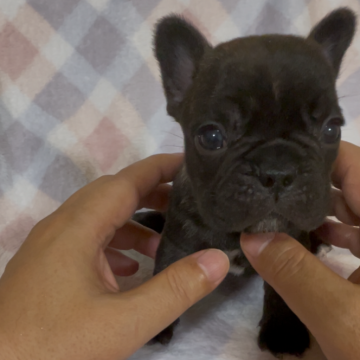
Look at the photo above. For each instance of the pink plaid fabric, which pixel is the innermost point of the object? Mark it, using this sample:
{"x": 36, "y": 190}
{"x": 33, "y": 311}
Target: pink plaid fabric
{"x": 80, "y": 96}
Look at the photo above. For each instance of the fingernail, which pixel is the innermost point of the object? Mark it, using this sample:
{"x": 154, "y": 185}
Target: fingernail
{"x": 254, "y": 244}
{"x": 215, "y": 264}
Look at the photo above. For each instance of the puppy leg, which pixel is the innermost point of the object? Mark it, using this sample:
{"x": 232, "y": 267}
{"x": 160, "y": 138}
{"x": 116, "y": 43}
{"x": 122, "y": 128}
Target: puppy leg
{"x": 166, "y": 335}
{"x": 154, "y": 220}
{"x": 167, "y": 254}
{"x": 281, "y": 331}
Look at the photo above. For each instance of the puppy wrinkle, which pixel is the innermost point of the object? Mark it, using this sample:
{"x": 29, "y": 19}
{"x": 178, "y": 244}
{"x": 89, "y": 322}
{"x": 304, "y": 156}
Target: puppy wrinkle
{"x": 307, "y": 142}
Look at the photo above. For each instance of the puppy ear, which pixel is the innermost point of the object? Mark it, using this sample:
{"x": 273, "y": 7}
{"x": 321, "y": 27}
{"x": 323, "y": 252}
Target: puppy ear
{"x": 334, "y": 33}
{"x": 179, "y": 48}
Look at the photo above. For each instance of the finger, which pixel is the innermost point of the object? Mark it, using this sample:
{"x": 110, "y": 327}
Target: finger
{"x": 157, "y": 199}
{"x": 98, "y": 209}
{"x": 120, "y": 264}
{"x": 162, "y": 299}
{"x": 147, "y": 174}
{"x": 341, "y": 210}
{"x": 138, "y": 237}
{"x": 355, "y": 276}
{"x": 341, "y": 235}
{"x": 346, "y": 175}
{"x": 310, "y": 289}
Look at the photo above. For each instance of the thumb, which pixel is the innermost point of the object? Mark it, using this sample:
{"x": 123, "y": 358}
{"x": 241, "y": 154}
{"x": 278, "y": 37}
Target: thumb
{"x": 318, "y": 296}
{"x": 162, "y": 299}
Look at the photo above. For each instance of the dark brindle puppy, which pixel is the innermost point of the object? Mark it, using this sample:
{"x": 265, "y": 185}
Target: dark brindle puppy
{"x": 261, "y": 122}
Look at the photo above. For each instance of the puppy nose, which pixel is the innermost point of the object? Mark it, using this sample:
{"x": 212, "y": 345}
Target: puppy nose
{"x": 279, "y": 179}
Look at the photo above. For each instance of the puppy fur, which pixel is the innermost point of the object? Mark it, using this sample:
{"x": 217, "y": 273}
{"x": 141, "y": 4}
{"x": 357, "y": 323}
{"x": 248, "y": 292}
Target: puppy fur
{"x": 261, "y": 124}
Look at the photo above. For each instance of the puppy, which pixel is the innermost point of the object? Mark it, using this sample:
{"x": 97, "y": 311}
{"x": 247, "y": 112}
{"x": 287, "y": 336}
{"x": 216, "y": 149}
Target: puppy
{"x": 261, "y": 124}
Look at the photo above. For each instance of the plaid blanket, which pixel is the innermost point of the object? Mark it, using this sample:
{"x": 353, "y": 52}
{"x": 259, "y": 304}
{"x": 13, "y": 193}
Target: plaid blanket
{"x": 80, "y": 96}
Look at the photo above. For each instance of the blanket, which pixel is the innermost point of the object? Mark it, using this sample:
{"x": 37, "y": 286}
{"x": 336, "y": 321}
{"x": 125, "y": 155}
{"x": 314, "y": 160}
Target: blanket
{"x": 80, "y": 96}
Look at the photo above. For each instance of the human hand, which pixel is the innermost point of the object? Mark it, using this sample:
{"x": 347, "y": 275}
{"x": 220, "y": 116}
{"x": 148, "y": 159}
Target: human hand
{"x": 326, "y": 303}
{"x": 58, "y": 296}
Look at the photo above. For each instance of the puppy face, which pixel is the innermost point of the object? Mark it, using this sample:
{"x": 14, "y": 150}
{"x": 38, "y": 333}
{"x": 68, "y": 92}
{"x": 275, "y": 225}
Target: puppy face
{"x": 261, "y": 121}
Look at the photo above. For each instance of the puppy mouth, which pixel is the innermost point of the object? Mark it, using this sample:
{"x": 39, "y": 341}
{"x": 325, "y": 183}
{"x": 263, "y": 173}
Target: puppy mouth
{"x": 271, "y": 223}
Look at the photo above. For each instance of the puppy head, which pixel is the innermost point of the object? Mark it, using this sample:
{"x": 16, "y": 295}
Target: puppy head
{"x": 261, "y": 121}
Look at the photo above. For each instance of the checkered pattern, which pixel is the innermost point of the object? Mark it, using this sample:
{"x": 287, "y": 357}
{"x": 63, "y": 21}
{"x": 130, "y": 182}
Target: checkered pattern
{"x": 80, "y": 92}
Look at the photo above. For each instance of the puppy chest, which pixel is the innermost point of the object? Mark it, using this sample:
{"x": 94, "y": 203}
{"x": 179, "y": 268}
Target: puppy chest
{"x": 236, "y": 261}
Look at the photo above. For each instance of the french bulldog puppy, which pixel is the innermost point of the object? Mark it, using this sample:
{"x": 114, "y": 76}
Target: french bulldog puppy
{"x": 261, "y": 124}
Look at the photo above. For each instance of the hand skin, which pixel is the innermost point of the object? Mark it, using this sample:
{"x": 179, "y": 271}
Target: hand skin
{"x": 326, "y": 303}
{"x": 58, "y": 296}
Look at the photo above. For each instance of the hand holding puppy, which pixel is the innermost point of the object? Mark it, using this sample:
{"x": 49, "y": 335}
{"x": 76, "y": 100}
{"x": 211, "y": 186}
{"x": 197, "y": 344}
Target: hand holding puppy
{"x": 59, "y": 298}
{"x": 326, "y": 303}
{"x": 58, "y": 295}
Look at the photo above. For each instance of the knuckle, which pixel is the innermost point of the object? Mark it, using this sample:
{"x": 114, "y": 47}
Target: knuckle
{"x": 122, "y": 189}
{"x": 44, "y": 225}
{"x": 50, "y": 225}
{"x": 154, "y": 157}
{"x": 289, "y": 263}
{"x": 179, "y": 286}
{"x": 105, "y": 178}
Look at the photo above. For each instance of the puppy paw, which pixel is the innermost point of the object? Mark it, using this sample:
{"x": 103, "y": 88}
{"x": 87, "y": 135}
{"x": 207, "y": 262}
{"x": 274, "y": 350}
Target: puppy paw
{"x": 290, "y": 338}
{"x": 165, "y": 336}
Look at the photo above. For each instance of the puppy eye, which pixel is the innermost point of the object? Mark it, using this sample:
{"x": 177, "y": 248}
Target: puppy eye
{"x": 331, "y": 131}
{"x": 210, "y": 137}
